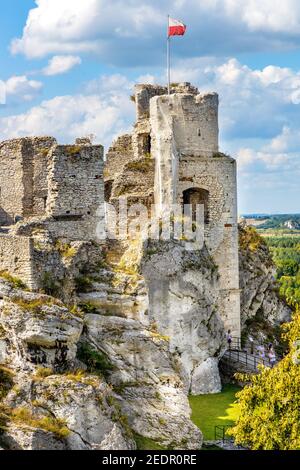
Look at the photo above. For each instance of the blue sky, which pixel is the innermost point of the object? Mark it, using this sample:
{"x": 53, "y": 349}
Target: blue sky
{"x": 69, "y": 67}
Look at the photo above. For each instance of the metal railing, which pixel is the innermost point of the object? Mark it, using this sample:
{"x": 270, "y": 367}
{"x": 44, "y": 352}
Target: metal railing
{"x": 250, "y": 358}
{"x": 221, "y": 433}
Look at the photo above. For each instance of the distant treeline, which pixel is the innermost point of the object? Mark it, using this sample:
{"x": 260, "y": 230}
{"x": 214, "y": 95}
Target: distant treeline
{"x": 286, "y": 255}
{"x": 276, "y": 221}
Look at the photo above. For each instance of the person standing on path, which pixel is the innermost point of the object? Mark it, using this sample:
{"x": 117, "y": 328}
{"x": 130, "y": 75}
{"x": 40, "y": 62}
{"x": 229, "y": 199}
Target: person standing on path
{"x": 272, "y": 356}
{"x": 229, "y": 338}
{"x": 251, "y": 344}
{"x": 261, "y": 352}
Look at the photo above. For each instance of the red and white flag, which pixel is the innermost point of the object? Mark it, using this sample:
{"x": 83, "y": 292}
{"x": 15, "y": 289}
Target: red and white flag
{"x": 176, "y": 28}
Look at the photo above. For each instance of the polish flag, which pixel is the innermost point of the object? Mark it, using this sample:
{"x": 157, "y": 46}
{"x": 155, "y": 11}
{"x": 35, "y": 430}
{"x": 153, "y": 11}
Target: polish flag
{"x": 176, "y": 28}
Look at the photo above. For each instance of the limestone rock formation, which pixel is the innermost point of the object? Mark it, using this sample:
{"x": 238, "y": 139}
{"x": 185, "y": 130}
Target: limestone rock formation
{"x": 51, "y": 400}
{"x": 260, "y": 301}
{"x": 182, "y": 288}
{"x": 141, "y": 321}
{"x": 151, "y": 393}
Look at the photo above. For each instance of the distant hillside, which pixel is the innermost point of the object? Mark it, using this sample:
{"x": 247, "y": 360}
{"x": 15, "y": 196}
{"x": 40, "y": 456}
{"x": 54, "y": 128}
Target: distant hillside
{"x": 278, "y": 221}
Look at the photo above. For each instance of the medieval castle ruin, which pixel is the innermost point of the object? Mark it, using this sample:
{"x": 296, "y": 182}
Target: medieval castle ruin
{"x": 50, "y": 191}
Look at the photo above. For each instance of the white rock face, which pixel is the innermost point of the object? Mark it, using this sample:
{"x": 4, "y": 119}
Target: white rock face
{"x": 3, "y": 354}
{"x": 39, "y": 330}
{"x": 259, "y": 292}
{"x": 206, "y": 378}
{"x": 27, "y": 438}
{"x": 147, "y": 398}
{"x": 150, "y": 392}
{"x": 183, "y": 302}
{"x": 86, "y": 411}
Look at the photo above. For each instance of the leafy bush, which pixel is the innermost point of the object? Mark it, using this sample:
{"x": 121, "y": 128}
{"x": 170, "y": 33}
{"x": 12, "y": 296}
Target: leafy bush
{"x": 65, "y": 249}
{"x": 250, "y": 239}
{"x": 88, "y": 307}
{"x": 50, "y": 285}
{"x": 84, "y": 284}
{"x": 96, "y": 361}
{"x": 270, "y": 405}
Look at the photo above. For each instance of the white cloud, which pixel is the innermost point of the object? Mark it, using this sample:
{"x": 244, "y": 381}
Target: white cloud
{"x": 20, "y": 88}
{"x": 264, "y": 15}
{"x": 271, "y": 160}
{"x": 60, "y": 64}
{"x": 75, "y": 26}
{"x": 107, "y": 28}
{"x": 254, "y": 104}
{"x": 259, "y": 119}
{"x": 105, "y": 114}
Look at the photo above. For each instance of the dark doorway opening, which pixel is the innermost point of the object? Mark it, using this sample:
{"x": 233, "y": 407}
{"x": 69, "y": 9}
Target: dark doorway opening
{"x": 197, "y": 196}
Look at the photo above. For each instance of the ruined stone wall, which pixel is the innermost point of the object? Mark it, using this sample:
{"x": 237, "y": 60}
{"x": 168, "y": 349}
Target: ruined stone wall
{"x": 184, "y": 139}
{"x": 23, "y": 177}
{"x": 191, "y": 120}
{"x": 118, "y": 155}
{"x": 76, "y": 191}
{"x": 16, "y": 258}
{"x": 11, "y": 181}
{"x": 181, "y": 124}
{"x": 217, "y": 175}
{"x": 41, "y": 148}
{"x": 144, "y": 93}
{"x": 35, "y": 153}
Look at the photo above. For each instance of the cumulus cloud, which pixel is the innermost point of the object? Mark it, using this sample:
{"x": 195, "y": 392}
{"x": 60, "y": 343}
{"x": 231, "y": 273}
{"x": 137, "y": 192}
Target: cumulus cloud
{"x": 259, "y": 119}
{"x": 20, "y": 88}
{"x": 255, "y": 104}
{"x": 61, "y": 64}
{"x": 108, "y": 28}
{"x": 105, "y": 114}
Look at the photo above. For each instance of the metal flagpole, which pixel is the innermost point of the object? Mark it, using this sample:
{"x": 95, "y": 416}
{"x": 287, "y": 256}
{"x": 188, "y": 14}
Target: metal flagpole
{"x": 168, "y": 57}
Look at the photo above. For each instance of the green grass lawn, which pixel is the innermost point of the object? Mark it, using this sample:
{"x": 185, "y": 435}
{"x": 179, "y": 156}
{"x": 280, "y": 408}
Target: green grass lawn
{"x": 217, "y": 409}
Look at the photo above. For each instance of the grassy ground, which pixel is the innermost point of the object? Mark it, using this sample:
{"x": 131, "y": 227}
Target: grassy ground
{"x": 217, "y": 409}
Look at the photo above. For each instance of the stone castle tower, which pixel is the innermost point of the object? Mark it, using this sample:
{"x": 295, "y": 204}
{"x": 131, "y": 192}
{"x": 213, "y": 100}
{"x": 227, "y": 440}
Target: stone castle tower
{"x": 181, "y": 132}
{"x": 172, "y": 156}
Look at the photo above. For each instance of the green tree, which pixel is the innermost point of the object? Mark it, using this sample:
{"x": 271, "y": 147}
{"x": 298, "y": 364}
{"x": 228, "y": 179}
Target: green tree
{"x": 270, "y": 404}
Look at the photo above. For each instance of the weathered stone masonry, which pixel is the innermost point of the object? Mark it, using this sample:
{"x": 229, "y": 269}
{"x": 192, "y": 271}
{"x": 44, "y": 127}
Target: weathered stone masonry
{"x": 181, "y": 133}
{"x": 172, "y": 156}
{"x": 47, "y": 190}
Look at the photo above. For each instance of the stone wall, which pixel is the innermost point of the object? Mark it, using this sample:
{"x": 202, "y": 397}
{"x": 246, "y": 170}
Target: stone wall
{"x": 16, "y": 258}
{"x": 184, "y": 140}
{"x": 40, "y": 150}
{"x": 11, "y": 181}
{"x": 76, "y": 190}
{"x": 144, "y": 93}
{"x": 23, "y": 177}
{"x": 118, "y": 155}
{"x": 217, "y": 175}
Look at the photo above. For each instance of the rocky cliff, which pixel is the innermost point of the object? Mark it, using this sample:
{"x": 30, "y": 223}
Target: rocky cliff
{"x": 262, "y": 309}
{"x": 70, "y": 381}
{"x": 117, "y": 367}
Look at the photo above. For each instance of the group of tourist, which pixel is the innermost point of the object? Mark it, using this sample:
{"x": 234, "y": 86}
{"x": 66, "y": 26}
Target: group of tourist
{"x": 260, "y": 350}
{"x": 268, "y": 352}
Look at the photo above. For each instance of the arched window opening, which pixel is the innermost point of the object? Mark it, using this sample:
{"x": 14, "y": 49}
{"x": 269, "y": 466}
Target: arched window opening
{"x": 197, "y": 196}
